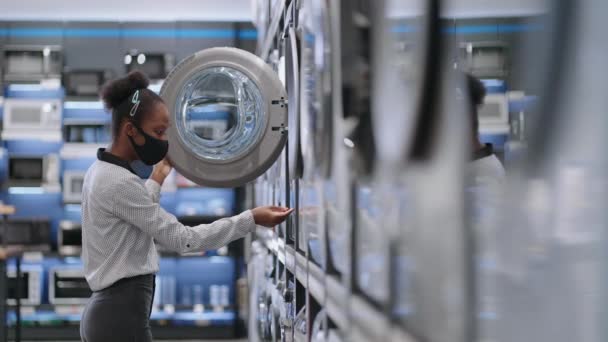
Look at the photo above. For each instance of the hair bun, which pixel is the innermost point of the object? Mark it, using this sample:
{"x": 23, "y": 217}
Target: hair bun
{"x": 116, "y": 91}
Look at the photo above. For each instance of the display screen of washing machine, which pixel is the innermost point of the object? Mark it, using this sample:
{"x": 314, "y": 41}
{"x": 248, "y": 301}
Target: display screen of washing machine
{"x": 219, "y": 113}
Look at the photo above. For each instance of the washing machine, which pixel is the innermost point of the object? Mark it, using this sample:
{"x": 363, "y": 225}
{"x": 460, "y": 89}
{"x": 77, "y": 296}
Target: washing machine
{"x": 231, "y": 85}
{"x": 371, "y": 255}
{"x": 434, "y": 246}
{"x": 552, "y": 258}
{"x": 312, "y": 221}
{"x": 405, "y": 39}
{"x": 338, "y": 185}
{"x": 315, "y": 88}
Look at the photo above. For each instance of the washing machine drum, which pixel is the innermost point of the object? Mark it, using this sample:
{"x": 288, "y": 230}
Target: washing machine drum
{"x": 227, "y": 117}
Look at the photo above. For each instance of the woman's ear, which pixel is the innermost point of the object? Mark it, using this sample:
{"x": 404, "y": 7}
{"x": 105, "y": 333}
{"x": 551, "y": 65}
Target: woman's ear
{"x": 130, "y": 129}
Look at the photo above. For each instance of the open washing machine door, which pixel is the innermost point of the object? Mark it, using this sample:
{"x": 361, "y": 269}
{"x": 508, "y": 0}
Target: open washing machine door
{"x": 228, "y": 117}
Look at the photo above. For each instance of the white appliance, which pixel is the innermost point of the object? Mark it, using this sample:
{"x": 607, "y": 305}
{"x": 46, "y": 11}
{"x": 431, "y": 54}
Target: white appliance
{"x": 31, "y": 63}
{"x": 485, "y": 59}
{"x": 494, "y": 114}
{"x": 72, "y": 186}
{"x": 31, "y": 115}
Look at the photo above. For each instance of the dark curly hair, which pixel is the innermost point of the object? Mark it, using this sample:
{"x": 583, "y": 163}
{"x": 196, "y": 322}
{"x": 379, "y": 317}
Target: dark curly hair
{"x": 118, "y": 93}
{"x": 477, "y": 93}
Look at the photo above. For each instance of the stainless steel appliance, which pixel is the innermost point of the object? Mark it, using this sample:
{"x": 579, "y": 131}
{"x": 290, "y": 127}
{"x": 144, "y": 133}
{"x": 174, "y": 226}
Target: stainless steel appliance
{"x": 31, "y": 285}
{"x": 84, "y": 83}
{"x": 31, "y": 63}
{"x": 155, "y": 65}
{"x": 34, "y": 233}
{"x": 67, "y": 285}
{"x": 31, "y": 170}
{"x": 69, "y": 238}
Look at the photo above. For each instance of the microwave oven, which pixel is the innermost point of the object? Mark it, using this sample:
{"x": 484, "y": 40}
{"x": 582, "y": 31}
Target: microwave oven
{"x": 494, "y": 111}
{"x": 84, "y": 83}
{"x": 68, "y": 285}
{"x": 155, "y": 65}
{"x": 69, "y": 238}
{"x": 36, "y": 171}
{"x": 31, "y": 63}
{"x": 30, "y": 284}
{"x": 32, "y": 114}
{"x": 87, "y": 133}
{"x": 485, "y": 59}
{"x": 72, "y": 186}
{"x": 26, "y": 232}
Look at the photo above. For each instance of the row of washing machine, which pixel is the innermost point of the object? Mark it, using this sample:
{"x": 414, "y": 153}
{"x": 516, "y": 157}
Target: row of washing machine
{"x": 376, "y": 161}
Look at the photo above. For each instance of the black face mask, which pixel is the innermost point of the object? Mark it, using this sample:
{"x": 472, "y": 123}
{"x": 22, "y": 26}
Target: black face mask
{"x": 152, "y": 151}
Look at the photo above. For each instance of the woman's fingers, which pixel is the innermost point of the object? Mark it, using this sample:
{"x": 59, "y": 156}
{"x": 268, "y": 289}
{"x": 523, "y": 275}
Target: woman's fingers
{"x": 270, "y": 216}
{"x": 286, "y": 212}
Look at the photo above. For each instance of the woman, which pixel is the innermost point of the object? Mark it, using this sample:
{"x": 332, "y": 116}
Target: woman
{"x": 121, "y": 217}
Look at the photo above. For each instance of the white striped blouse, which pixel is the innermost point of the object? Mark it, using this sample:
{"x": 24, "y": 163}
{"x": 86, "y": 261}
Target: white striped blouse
{"x": 121, "y": 218}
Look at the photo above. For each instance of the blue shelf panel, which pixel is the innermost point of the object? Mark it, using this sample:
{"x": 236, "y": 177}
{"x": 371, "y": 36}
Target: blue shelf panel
{"x": 205, "y": 202}
{"x": 184, "y": 318}
{"x": 42, "y": 317}
{"x": 494, "y": 86}
{"x": 36, "y": 203}
{"x": 32, "y": 91}
{"x": 167, "y": 201}
{"x": 204, "y": 272}
{"x": 497, "y": 140}
{"x": 523, "y": 104}
{"x": 32, "y": 147}
{"x": 204, "y": 318}
{"x": 80, "y": 164}
{"x": 90, "y": 112}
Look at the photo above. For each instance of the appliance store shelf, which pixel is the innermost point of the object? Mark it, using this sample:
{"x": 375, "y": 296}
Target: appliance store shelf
{"x": 183, "y": 318}
{"x": 345, "y": 309}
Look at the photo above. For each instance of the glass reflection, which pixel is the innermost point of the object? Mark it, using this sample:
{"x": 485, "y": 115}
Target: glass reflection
{"x": 220, "y": 114}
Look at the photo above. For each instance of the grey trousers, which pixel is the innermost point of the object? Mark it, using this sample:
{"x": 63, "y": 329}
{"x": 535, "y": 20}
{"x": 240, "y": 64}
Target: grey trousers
{"x": 120, "y": 312}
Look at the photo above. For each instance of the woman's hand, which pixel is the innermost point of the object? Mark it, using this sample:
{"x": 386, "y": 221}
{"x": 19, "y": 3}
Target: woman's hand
{"x": 161, "y": 171}
{"x": 270, "y": 216}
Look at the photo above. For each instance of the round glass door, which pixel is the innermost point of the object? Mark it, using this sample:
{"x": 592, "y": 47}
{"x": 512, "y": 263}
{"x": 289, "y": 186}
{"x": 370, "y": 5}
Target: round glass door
{"x": 219, "y": 112}
{"x": 228, "y": 117}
